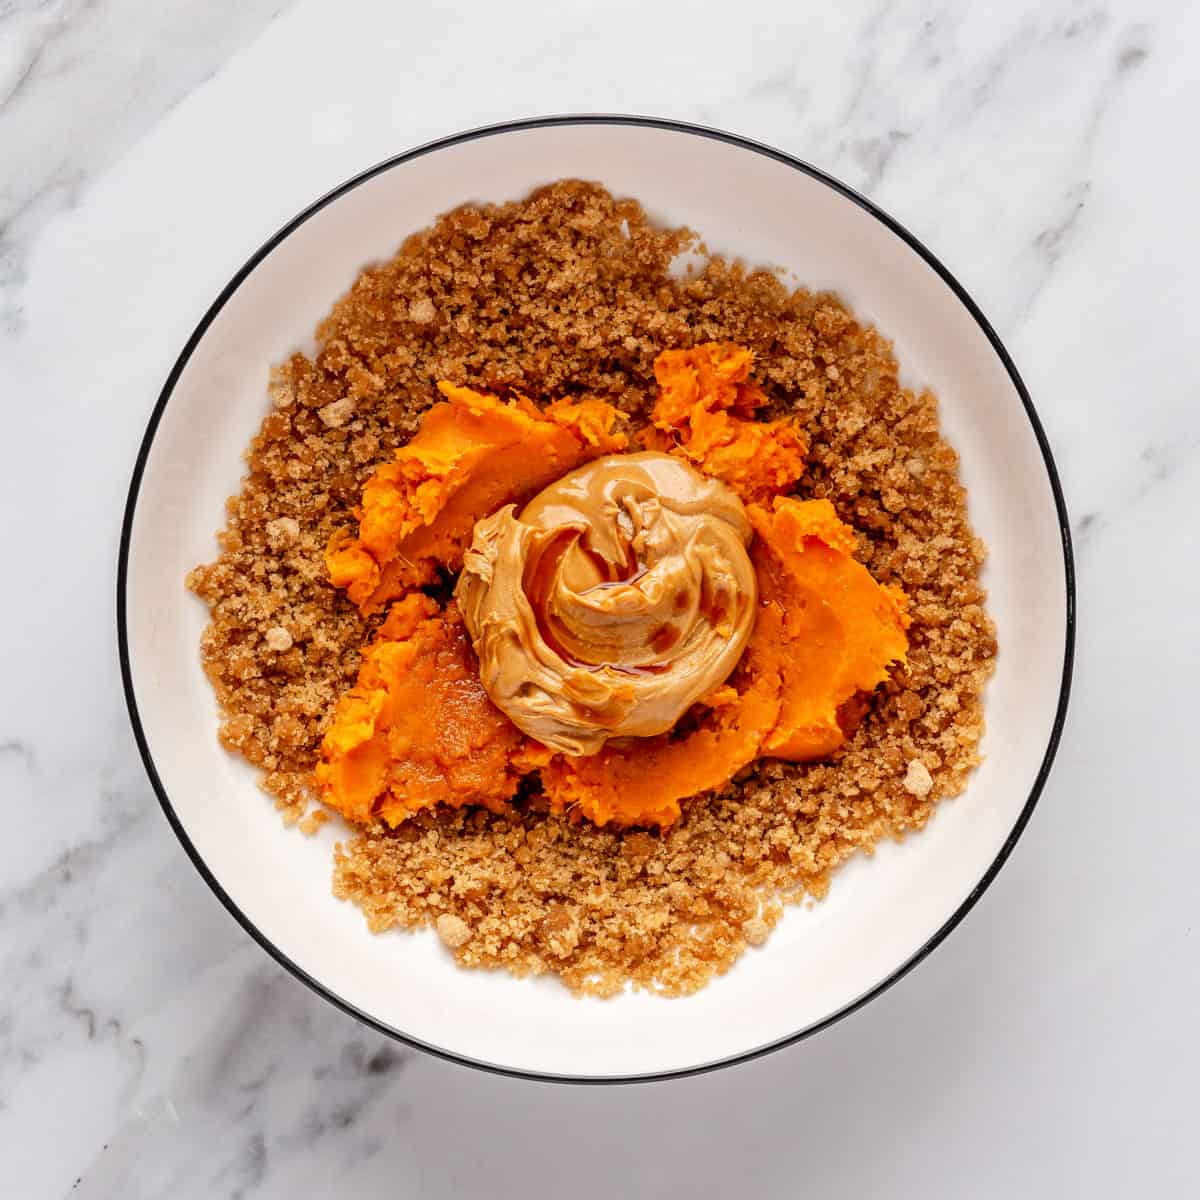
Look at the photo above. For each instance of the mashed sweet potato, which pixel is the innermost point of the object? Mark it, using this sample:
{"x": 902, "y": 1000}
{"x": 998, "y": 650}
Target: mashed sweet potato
{"x": 473, "y": 454}
{"x": 840, "y": 630}
{"x": 705, "y": 413}
{"x": 418, "y": 728}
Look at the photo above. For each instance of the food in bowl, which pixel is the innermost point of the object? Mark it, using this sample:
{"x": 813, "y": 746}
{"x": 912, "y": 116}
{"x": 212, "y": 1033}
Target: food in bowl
{"x": 613, "y": 605}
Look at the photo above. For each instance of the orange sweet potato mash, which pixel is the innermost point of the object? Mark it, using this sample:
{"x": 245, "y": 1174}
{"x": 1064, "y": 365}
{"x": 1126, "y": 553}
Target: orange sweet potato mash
{"x": 705, "y": 413}
{"x": 840, "y": 630}
{"x": 418, "y": 729}
{"x": 473, "y": 454}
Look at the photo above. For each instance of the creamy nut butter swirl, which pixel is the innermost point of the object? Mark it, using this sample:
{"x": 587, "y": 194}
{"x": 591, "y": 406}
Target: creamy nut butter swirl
{"x": 620, "y": 595}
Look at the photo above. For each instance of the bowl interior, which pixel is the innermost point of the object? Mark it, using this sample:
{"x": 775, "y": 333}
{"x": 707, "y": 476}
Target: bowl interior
{"x": 880, "y": 913}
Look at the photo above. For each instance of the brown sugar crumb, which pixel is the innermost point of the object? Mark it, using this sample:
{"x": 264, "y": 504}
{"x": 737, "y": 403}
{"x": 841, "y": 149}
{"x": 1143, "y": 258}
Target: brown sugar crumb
{"x": 756, "y": 931}
{"x": 278, "y": 639}
{"x": 568, "y": 294}
{"x": 917, "y": 779}
{"x": 312, "y": 821}
{"x": 453, "y": 931}
{"x": 421, "y": 312}
{"x": 337, "y": 413}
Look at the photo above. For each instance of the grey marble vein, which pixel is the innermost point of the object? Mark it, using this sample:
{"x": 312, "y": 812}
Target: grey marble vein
{"x": 77, "y": 90}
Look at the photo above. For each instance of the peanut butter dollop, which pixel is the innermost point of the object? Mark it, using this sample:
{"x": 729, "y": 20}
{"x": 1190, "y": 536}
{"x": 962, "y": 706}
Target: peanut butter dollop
{"x": 621, "y": 595}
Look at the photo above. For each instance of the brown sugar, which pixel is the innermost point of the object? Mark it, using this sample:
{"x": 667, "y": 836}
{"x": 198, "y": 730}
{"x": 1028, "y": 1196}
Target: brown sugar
{"x": 568, "y": 294}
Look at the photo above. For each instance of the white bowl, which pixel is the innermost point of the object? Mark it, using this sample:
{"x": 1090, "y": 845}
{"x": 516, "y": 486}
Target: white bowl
{"x": 884, "y": 914}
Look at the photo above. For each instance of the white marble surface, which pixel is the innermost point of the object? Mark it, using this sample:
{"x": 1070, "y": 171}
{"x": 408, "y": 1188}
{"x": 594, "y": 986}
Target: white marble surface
{"x": 1046, "y": 152}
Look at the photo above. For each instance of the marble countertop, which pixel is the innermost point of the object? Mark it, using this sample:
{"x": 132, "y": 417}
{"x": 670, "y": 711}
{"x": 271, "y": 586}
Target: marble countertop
{"x": 1044, "y": 151}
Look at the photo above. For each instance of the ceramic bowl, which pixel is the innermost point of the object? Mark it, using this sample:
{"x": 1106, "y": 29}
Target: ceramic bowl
{"x": 882, "y": 915}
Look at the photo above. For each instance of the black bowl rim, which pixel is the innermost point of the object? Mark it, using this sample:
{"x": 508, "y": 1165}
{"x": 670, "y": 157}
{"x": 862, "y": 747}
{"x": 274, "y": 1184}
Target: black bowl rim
{"x": 694, "y": 130}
